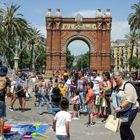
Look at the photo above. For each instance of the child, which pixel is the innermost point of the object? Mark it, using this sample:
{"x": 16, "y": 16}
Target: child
{"x": 76, "y": 104}
{"x": 90, "y": 102}
{"x": 63, "y": 90}
{"x": 61, "y": 121}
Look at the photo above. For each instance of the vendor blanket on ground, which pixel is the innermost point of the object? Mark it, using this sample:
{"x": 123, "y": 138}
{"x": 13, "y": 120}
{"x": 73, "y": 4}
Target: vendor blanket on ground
{"x": 26, "y": 131}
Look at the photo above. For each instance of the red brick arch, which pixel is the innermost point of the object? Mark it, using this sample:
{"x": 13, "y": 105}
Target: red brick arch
{"x": 94, "y": 31}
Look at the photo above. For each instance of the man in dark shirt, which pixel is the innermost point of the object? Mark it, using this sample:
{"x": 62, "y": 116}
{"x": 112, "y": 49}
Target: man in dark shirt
{"x": 56, "y": 98}
{"x": 6, "y": 91}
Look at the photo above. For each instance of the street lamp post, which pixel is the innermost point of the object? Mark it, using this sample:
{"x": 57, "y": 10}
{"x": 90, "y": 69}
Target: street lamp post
{"x": 16, "y": 56}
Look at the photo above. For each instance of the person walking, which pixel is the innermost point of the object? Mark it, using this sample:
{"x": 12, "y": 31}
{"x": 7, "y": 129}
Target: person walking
{"x": 125, "y": 103}
{"x": 20, "y": 89}
{"x": 82, "y": 87}
{"x": 41, "y": 91}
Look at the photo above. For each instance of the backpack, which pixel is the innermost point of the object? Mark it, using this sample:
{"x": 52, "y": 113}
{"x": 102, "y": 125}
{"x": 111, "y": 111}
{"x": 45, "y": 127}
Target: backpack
{"x": 2, "y": 85}
{"x": 136, "y": 85}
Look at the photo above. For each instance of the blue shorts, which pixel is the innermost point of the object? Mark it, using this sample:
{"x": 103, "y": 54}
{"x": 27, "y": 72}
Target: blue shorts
{"x": 2, "y": 109}
{"x": 62, "y": 137}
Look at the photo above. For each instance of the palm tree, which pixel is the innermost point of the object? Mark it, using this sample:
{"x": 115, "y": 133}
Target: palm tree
{"x": 134, "y": 18}
{"x": 14, "y": 23}
{"x": 1, "y": 19}
{"x": 2, "y": 36}
{"x": 134, "y": 22}
{"x": 36, "y": 46}
{"x": 132, "y": 38}
{"x": 15, "y": 27}
{"x": 1, "y": 25}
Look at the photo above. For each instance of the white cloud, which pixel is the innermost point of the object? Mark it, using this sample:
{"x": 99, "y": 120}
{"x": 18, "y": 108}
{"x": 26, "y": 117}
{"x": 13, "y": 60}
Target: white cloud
{"x": 119, "y": 28}
{"x": 86, "y": 13}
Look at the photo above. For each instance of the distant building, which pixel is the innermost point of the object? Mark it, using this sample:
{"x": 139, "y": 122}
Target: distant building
{"x": 121, "y": 50}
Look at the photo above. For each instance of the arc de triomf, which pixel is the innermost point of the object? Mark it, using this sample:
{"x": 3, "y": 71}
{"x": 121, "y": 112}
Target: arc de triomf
{"x": 94, "y": 31}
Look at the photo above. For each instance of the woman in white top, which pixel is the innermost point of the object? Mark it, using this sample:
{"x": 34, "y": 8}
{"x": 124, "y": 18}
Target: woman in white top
{"x": 126, "y": 105}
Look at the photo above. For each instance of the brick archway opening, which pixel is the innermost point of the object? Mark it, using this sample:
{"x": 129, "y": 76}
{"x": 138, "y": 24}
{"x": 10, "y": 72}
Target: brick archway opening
{"x": 84, "y": 42}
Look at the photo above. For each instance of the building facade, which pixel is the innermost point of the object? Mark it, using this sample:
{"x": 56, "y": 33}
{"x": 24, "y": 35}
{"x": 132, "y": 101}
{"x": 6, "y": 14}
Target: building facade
{"x": 121, "y": 51}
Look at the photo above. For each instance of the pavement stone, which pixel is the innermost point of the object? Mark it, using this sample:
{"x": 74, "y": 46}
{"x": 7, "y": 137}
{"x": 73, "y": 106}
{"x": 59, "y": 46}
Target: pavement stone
{"x": 78, "y": 129}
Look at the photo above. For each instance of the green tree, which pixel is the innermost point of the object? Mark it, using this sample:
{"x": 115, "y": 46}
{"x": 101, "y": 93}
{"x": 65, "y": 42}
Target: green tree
{"x": 134, "y": 18}
{"x": 135, "y": 63}
{"x": 83, "y": 62}
{"x": 18, "y": 38}
{"x": 14, "y": 27}
{"x": 132, "y": 38}
{"x": 36, "y": 47}
{"x": 70, "y": 59}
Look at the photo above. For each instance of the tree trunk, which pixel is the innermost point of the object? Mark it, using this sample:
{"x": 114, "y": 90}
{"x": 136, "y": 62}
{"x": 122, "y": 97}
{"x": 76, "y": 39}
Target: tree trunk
{"x": 21, "y": 55}
{"x": 131, "y": 56}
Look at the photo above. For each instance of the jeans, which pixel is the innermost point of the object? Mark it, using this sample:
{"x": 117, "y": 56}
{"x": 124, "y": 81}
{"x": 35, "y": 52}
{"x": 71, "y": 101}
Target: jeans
{"x": 82, "y": 99}
{"x": 68, "y": 93}
{"x": 2, "y": 109}
{"x": 55, "y": 109}
{"x": 126, "y": 132}
{"x": 42, "y": 97}
{"x": 108, "y": 107}
{"x": 62, "y": 137}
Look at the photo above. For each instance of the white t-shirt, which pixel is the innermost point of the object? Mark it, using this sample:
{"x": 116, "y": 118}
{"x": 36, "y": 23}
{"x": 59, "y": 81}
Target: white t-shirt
{"x": 96, "y": 87}
{"x": 61, "y": 118}
{"x": 131, "y": 95}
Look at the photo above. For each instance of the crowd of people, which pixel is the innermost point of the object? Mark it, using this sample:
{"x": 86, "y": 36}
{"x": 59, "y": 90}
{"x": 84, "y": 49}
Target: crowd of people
{"x": 97, "y": 94}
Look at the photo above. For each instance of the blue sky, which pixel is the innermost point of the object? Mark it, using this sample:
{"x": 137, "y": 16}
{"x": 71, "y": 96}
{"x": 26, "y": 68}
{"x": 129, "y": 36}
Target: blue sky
{"x": 35, "y": 11}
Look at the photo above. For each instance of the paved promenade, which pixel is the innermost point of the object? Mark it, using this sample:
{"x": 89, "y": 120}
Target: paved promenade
{"x": 78, "y": 129}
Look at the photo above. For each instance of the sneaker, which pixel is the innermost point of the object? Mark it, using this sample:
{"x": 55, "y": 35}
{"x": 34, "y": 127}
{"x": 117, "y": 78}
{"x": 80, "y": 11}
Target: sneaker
{"x": 22, "y": 109}
{"x": 92, "y": 124}
{"x": 75, "y": 118}
{"x": 40, "y": 113}
{"x": 104, "y": 120}
{"x": 87, "y": 124}
{"x": 11, "y": 108}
